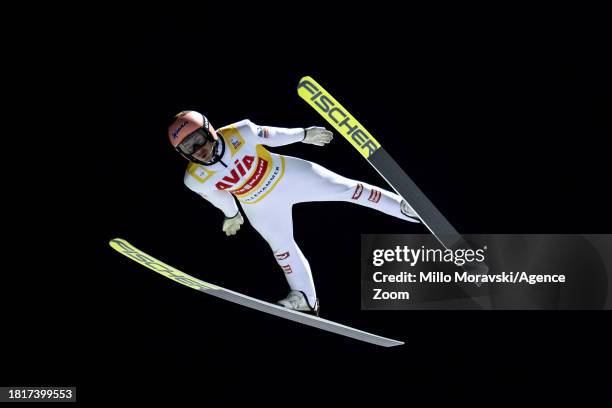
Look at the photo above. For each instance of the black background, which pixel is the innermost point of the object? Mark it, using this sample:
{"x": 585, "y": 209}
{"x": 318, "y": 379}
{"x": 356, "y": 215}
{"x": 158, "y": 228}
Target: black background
{"x": 502, "y": 120}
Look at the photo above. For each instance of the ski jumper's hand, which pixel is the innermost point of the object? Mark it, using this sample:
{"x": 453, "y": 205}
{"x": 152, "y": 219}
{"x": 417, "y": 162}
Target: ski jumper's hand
{"x": 232, "y": 225}
{"x": 317, "y": 136}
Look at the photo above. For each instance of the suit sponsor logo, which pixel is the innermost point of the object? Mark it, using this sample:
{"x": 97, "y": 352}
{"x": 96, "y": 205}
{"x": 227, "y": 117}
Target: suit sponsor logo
{"x": 282, "y": 256}
{"x": 272, "y": 174}
{"x": 236, "y": 142}
{"x": 260, "y": 171}
{"x": 358, "y": 191}
{"x": 375, "y": 196}
{"x": 240, "y": 170}
{"x": 263, "y": 132}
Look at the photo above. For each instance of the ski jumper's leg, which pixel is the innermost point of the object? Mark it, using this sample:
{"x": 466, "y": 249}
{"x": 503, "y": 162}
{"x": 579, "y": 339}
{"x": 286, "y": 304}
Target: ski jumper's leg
{"x": 272, "y": 218}
{"x": 312, "y": 182}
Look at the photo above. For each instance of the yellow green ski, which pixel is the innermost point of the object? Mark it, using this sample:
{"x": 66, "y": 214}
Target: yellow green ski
{"x": 353, "y": 131}
{"x": 135, "y": 254}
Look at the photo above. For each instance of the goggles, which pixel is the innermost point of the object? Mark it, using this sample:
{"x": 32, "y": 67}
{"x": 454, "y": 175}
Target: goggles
{"x": 194, "y": 141}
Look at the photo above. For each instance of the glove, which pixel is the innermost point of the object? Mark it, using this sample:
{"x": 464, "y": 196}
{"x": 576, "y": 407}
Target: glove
{"x": 317, "y": 136}
{"x": 231, "y": 225}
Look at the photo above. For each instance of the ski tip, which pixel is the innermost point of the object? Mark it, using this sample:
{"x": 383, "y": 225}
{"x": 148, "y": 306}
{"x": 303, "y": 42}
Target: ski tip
{"x": 117, "y": 243}
{"x": 304, "y": 79}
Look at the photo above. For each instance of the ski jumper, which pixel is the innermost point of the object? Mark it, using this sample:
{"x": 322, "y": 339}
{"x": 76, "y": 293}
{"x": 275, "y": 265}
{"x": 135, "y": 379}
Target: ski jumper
{"x": 268, "y": 184}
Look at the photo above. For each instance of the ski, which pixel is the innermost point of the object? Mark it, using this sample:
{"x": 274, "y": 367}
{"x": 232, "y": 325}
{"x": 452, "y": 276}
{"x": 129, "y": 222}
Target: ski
{"x": 353, "y": 131}
{"x": 125, "y": 248}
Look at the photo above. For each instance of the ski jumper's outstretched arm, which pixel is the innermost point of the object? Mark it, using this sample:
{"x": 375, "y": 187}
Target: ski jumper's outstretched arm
{"x": 277, "y": 136}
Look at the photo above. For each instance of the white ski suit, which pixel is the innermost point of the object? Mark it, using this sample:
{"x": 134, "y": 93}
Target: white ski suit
{"x": 268, "y": 184}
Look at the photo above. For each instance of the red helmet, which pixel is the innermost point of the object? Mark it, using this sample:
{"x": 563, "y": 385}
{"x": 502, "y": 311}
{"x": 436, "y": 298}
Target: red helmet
{"x": 191, "y": 130}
